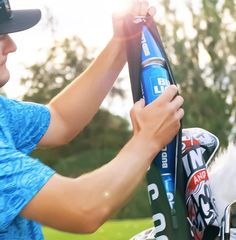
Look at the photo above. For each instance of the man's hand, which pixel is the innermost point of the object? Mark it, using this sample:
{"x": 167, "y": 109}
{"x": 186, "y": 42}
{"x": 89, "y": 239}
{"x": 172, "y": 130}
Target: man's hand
{"x": 159, "y": 121}
{"x": 136, "y": 8}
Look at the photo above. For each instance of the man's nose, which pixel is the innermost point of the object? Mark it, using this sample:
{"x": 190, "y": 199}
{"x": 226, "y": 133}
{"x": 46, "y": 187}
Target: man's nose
{"x": 10, "y": 45}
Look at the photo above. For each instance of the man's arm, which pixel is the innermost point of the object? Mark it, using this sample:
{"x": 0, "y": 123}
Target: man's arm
{"x": 75, "y": 106}
{"x": 83, "y": 204}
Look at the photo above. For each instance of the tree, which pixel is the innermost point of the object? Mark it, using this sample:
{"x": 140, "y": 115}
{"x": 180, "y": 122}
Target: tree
{"x": 101, "y": 140}
{"x": 64, "y": 61}
{"x": 203, "y": 63}
{"x": 202, "y": 51}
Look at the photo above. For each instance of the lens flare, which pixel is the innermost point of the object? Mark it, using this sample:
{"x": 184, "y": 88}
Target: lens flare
{"x": 120, "y": 6}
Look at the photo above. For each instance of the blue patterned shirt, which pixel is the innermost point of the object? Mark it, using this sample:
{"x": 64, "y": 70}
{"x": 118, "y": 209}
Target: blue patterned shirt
{"x": 22, "y": 125}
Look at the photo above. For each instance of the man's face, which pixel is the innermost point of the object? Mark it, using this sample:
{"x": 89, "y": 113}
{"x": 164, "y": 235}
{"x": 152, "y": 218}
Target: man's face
{"x": 7, "y": 46}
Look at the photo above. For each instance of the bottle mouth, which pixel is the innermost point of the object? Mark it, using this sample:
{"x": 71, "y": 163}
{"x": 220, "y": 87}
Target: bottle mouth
{"x": 154, "y": 60}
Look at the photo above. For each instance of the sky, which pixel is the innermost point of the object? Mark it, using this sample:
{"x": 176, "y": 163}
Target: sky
{"x": 89, "y": 19}
{"x": 77, "y": 17}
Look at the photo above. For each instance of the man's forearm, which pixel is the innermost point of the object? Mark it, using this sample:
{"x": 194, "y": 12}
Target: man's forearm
{"x": 109, "y": 187}
{"x": 83, "y": 204}
{"x": 77, "y": 103}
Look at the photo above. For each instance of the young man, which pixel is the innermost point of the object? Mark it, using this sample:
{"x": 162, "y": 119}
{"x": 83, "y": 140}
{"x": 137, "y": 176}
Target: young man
{"x": 32, "y": 193}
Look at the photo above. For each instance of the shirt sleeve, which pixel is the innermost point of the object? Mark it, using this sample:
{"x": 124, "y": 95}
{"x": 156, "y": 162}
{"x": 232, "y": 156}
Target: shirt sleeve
{"x": 21, "y": 177}
{"x": 28, "y": 122}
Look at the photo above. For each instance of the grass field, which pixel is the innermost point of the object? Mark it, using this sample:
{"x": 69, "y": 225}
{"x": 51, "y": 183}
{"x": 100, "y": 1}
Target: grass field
{"x": 112, "y": 230}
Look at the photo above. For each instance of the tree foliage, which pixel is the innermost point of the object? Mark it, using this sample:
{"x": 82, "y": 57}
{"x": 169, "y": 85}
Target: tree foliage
{"x": 60, "y": 65}
{"x": 106, "y": 133}
{"x": 202, "y": 53}
{"x": 202, "y": 50}
{"x": 63, "y": 62}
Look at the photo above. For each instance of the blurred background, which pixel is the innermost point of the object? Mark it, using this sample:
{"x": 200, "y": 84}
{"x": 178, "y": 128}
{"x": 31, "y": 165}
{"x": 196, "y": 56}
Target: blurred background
{"x": 200, "y": 40}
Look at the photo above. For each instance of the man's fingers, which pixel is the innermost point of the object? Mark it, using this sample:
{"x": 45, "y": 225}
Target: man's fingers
{"x": 140, "y": 7}
{"x": 139, "y": 104}
{"x": 152, "y": 11}
{"x": 177, "y": 102}
{"x": 180, "y": 113}
{"x": 168, "y": 94}
{"x": 143, "y": 9}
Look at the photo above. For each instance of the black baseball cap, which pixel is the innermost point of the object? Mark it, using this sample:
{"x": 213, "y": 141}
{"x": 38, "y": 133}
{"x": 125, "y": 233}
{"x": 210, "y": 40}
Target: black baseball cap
{"x": 16, "y": 20}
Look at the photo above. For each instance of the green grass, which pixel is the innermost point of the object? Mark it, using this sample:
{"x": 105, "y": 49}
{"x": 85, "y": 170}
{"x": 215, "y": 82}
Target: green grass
{"x": 112, "y": 230}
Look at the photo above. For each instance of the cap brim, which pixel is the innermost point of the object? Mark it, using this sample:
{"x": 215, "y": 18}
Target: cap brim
{"x": 21, "y": 20}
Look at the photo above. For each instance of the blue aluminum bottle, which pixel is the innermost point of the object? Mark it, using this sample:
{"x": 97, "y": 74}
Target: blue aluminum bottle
{"x": 154, "y": 80}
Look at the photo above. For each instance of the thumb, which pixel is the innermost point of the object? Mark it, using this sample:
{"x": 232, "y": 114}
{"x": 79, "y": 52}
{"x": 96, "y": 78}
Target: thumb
{"x": 139, "y": 104}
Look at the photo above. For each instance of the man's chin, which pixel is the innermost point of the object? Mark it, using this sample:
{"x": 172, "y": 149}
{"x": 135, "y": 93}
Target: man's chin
{"x": 3, "y": 82}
